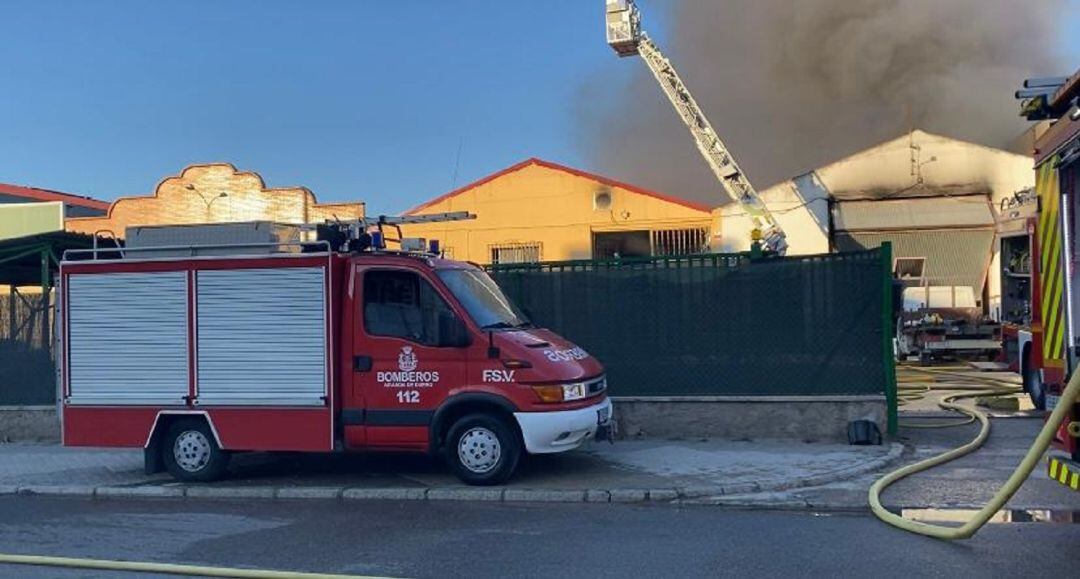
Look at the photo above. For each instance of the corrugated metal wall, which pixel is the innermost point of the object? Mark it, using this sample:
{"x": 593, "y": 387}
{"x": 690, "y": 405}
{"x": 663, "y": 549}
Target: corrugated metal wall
{"x": 929, "y": 213}
{"x": 953, "y": 257}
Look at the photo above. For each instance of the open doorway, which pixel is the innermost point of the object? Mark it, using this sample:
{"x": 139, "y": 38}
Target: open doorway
{"x": 616, "y": 244}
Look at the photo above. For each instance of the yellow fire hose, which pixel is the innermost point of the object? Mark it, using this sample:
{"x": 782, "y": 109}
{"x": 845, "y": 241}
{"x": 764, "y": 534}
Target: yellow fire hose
{"x": 163, "y": 568}
{"x": 911, "y": 388}
{"x": 1023, "y": 470}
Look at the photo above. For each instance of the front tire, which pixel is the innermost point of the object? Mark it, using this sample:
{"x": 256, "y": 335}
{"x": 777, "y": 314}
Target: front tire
{"x": 191, "y": 452}
{"x": 483, "y": 450}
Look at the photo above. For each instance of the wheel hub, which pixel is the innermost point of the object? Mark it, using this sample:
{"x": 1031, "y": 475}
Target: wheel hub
{"x": 479, "y": 450}
{"x": 192, "y": 451}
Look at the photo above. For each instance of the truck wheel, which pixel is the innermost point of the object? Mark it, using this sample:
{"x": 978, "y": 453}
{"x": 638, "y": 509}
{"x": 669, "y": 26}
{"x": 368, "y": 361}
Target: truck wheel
{"x": 191, "y": 453}
{"x": 482, "y": 449}
{"x": 1033, "y": 384}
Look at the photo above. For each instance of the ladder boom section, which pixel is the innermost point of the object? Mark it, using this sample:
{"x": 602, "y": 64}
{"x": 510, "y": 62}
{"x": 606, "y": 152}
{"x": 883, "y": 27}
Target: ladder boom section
{"x": 714, "y": 151}
{"x": 626, "y": 36}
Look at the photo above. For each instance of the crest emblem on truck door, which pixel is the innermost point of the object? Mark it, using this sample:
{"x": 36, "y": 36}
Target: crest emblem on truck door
{"x": 406, "y": 360}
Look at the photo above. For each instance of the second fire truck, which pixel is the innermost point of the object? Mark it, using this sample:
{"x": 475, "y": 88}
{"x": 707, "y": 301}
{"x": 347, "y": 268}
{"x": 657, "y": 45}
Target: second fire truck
{"x": 1046, "y": 340}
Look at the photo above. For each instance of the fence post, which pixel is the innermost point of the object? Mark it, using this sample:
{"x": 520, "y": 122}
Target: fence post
{"x": 889, "y": 359}
{"x": 11, "y": 312}
{"x": 45, "y": 298}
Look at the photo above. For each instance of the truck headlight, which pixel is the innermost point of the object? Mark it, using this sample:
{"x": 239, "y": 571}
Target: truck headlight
{"x": 562, "y": 393}
{"x": 574, "y": 391}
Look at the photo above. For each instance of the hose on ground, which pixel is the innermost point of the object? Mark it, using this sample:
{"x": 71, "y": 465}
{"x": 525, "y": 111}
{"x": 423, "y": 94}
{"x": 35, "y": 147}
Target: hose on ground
{"x": 1016, "y": 479}
{"x": 912, "y": 387}
{"x": 162, "y": 568}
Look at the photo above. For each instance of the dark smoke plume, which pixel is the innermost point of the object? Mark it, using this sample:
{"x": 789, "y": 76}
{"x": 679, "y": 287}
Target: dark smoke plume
{"x": 791, "y": 85}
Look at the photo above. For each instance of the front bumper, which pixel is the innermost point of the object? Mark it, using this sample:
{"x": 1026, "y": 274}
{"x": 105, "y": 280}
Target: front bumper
{"x": 562, "y": 430}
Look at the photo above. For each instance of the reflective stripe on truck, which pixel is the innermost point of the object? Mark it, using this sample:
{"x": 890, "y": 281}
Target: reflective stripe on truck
{"x": 1065, "y": 472}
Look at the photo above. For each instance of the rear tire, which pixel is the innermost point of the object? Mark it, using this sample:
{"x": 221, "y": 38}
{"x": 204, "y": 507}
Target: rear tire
{"x": 191, "y": 452}
{"x": 1033, "y": 384}
{"x": 483, "y": 449}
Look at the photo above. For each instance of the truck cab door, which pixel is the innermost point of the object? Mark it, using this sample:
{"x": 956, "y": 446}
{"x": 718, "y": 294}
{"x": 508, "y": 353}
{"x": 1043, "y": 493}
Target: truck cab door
{"x": 408, "y": 351}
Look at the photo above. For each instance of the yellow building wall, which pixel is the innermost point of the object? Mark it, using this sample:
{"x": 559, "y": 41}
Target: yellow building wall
{"x": 215, "y": 193}
{"x": 552, "y": 206}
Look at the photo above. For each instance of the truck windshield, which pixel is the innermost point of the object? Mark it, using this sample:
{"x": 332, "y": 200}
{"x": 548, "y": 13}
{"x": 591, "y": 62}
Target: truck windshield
{"x": 483, "y": 299}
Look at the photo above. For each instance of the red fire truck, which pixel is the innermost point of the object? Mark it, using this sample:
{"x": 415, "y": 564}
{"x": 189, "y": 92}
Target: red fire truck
{"x": 195, "y": 351}
{"x": 1052, "y": 353}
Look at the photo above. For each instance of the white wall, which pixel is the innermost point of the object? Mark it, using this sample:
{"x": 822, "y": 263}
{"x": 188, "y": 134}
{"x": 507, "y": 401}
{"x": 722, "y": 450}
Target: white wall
{"x": 800, "y": 206}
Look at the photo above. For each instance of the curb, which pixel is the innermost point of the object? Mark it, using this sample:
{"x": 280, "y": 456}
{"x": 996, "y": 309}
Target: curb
{"x": 736, "y": 494}
{"x": 763, "y": 500}
{"x": 896, "y": 450}
{"x": 472, "y": 494}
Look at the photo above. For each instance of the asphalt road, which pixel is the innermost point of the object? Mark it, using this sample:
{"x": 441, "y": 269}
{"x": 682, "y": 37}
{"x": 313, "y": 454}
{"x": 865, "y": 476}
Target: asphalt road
{"x": 501, "y": 540}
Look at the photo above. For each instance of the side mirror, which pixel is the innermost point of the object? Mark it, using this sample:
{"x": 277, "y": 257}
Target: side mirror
{"x": 528, "y": 313}
{"x": 452, "y": 332}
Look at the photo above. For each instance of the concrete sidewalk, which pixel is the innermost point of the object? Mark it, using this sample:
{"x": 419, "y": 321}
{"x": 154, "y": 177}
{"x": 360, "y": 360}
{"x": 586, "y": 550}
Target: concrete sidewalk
{"x": 636, "y": 471}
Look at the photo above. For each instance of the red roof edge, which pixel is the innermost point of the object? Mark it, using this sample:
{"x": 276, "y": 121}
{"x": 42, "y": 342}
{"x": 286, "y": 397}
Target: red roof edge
{"x": 47, "y": 195}
{"x": 576, "y": 172}
{"x": 472, "y": 185}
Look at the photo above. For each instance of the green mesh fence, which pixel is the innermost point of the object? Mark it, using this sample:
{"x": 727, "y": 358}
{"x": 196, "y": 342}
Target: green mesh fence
{"x": 719, "y": 324}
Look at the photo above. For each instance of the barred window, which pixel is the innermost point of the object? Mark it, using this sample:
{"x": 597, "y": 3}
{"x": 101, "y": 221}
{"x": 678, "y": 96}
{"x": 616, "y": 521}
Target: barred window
{"x": 680, "y": 241}
{"x": 516, "y": 252}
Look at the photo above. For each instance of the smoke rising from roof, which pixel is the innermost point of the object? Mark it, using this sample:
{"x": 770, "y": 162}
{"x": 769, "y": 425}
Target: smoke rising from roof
{"x": 792, "y": 85}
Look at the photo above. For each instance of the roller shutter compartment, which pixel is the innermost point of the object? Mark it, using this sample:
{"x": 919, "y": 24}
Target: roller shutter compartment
{"x": 262, "y": 337}
{"x": 127, "y": 338}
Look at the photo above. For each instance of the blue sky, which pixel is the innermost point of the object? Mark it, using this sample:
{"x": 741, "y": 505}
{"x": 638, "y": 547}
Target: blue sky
{"x": 355, "y": 100}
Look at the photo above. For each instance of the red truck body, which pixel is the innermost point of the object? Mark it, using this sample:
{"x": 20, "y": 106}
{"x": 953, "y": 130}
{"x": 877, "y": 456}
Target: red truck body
{"x": 315, "y": 352}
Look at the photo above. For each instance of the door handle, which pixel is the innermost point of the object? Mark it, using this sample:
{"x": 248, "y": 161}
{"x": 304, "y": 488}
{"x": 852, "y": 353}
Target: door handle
{"x": 361, "y": 363}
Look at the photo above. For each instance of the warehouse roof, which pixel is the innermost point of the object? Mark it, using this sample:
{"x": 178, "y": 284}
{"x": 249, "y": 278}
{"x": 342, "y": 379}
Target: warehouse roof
{"x": 920, "y": 190}
{"x": 35, "y": 194}
{"x": 910, "y": 214}
{"x": 577, "y": 172}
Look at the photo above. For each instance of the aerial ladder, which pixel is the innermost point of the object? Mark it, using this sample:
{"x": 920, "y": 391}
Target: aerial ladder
{"x": 625, "y": 35}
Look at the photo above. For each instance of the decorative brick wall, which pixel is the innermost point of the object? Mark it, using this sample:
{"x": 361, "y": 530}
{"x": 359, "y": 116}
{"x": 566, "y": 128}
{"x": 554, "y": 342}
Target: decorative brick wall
{"x": 215, "y": 193}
